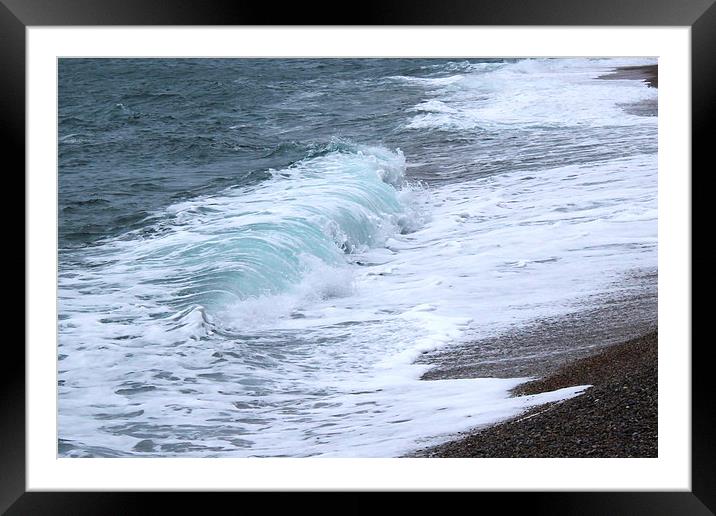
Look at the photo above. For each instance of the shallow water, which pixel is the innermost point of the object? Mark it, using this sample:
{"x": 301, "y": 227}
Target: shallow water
{"x": 254, "y": 252}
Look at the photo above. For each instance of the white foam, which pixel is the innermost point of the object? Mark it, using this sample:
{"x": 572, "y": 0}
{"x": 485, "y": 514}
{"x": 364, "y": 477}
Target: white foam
{"x": 430, "y": 81}
{"x": 533, "y": 92}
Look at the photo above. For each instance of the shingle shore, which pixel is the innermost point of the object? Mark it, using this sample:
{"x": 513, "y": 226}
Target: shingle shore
{"x": 616, "y": 417}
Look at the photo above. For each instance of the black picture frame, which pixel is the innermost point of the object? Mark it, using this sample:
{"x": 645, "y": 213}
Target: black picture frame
{"x": 699, "y": 15}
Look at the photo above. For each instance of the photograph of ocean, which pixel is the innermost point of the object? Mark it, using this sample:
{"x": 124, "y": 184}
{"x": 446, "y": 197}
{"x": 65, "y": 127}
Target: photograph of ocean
{"x": 356, "y": 257}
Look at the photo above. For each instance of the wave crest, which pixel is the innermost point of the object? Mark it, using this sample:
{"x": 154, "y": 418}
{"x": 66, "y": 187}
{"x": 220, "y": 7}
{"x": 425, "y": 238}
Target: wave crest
{"x": 266, "y": 239}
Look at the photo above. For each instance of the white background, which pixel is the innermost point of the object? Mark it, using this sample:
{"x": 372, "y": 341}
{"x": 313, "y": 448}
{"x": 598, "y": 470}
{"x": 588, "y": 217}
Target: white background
{"x": 670, "y": 471}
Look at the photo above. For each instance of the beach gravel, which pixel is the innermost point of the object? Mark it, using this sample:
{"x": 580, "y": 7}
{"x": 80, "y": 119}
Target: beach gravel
{"x": 616, "y": 417}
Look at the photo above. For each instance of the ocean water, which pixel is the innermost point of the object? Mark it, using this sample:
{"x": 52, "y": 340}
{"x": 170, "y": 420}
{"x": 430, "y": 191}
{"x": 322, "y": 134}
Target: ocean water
{"x": 253, "y": 252}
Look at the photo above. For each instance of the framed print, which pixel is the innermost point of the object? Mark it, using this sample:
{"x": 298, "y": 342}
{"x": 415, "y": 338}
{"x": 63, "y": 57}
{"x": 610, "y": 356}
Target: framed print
{"x": 433, "y": 251}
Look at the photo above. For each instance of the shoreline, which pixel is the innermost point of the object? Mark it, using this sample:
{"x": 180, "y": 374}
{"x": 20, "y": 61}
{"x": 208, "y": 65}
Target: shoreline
{"x": 612, "y": 347}
{"x": 646, "y": 73}
{"x": 541, "y": 347}
{"x": 616, "y": 417}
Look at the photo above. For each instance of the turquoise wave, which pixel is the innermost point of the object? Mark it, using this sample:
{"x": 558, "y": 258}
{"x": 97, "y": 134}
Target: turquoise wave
{"x": 262, "y": 240}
